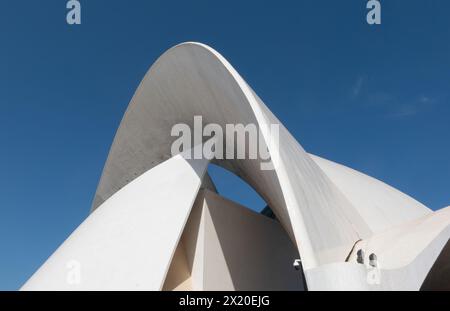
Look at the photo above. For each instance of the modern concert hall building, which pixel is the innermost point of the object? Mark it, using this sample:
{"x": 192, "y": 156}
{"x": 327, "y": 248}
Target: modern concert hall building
{"x": 158, "y": 223}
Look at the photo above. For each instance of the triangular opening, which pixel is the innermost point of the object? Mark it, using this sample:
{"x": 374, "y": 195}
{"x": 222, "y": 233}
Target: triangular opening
{"x": 234, "y": 188}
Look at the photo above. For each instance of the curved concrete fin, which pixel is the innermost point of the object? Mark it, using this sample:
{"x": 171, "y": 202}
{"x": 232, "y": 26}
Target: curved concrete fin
{"x": 191, "y": 80}
{"x": 380, "y": 205}
{"x": 128, "y": 242}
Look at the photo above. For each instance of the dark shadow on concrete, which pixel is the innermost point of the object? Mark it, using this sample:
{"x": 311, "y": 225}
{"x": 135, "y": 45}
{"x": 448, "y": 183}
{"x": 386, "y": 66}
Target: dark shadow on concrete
{"x": 438, "y": 277}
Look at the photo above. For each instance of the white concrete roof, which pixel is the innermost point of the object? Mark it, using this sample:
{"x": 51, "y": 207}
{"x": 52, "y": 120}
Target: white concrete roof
{"x": 318, "y": 209}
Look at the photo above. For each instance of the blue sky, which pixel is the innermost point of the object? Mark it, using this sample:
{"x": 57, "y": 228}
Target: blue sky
{"x": 375, "y": 98}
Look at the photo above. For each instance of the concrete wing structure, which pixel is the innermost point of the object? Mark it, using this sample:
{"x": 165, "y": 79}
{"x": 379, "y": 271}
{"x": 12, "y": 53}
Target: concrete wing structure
{"x": 157, "y": 223}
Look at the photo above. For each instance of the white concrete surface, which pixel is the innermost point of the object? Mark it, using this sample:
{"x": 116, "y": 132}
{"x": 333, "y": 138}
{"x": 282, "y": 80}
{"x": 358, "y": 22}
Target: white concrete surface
{"x": 128, "y": 243}
{"x": 381, "y": 205}
{"x": 238, "y": 249}
{"x": 145, "y": 196}
{"x": 193, "y": 79}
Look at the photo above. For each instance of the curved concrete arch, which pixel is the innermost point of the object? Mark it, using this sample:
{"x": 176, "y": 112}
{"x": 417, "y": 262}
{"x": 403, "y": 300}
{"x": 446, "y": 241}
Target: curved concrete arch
{"x": 193, "y": 79}
{"x": 328, "y": 210}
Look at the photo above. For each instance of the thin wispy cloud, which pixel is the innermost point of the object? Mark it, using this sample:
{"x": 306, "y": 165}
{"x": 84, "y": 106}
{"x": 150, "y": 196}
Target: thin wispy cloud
{"x": 424, "y": 99}
{"x": 393, "y": 107}
{"x": 357, "y": 86}
{"x": 406, "y": 110}
{"x": 381, "y": 99}
{"x": 420, "y": 104}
